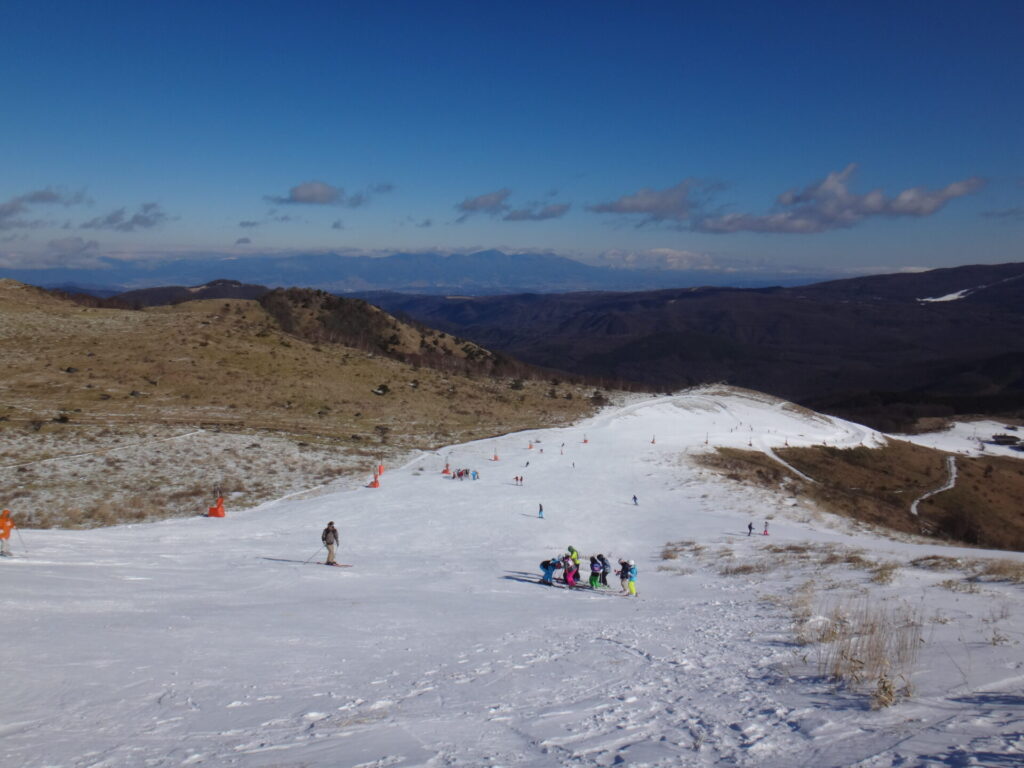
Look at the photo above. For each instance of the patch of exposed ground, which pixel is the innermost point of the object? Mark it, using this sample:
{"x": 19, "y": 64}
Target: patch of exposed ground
{"x": 877, "y": 486}
{"x": 277, "y": 413}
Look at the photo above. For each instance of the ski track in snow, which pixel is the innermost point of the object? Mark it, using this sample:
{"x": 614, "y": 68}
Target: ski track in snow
{"x": 210, "y": 642}
{"x": 950, "y": 483}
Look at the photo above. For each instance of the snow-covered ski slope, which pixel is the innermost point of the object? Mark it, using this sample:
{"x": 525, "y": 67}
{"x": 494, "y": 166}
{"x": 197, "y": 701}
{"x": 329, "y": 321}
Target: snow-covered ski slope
{"x": 210, "y": 641}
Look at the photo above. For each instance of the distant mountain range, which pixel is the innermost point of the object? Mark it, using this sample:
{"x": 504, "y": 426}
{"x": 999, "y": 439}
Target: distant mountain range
{"x": 472, "y": 274}
{"x": 882, "y": 350}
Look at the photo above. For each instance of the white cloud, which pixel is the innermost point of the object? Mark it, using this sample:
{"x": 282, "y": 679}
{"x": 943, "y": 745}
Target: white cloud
{"x": 655, "y": 205}
{"x": 68, "y": 252}
{"x": 148, "y": 216}
{"x": 829, "y": 204}
{"x": 322, "y": 193}
{"x": 13, "y": 211}
{"x": 536, "y": 213}
{"x": 491, "y": 203}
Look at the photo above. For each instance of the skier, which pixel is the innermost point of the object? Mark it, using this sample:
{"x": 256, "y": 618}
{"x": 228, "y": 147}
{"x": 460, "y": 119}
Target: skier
{"x": 575, "y": 557}
{"x": 765, "y": 532}
{"x": 568, "y": 571}
{"x": 750, "y": 528}
{"x": 330, "y": 539}
{"x": 634, "y": 500}
{"x": 606, "y": 568}
{"x": 595, "y": 572}
{"x": 632, "y": 578}
{"x": 623, "y": 574}
{"x": 6, "y": 524}
{"x": 549, "y": 567}
{"x": 540, "y": 511}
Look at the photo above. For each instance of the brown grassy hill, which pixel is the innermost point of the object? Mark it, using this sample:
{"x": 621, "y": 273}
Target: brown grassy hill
{"x": 81, "y": 380}
{"x": 878, "y": 486}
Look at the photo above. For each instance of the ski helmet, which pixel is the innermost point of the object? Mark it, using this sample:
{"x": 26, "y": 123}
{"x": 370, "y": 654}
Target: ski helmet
{"x": 631, "y": 562}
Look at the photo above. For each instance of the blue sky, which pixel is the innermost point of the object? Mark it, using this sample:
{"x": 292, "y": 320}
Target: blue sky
{"x": 832, "y": 136}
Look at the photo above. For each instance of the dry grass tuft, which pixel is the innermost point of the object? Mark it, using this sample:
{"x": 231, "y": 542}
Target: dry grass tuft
{"x": 873, "y": 647}
{"x": 999, "y": 570}
{"x": 673, "y": 549}
{"x": 937, "y": 563}
{"x": 957, "y": 585}
{"x": 884, "y": 573}
{"x": 743, "y": 569}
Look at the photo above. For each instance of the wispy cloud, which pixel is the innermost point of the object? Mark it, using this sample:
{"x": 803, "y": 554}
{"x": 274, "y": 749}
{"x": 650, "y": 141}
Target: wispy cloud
{"x": 148, "y": 216}
{"x": 1006, "y": 214}
{"x": 490, "y": 203}
{"x": 14, "y": 210}
{"x": 67, "y": 252}
{"x": 249, "y": 224}
{"x": 322, "y": 193}
{"x": 337, "y": 224}
{"x": 310, "y": 193}
{"x": 243, "y": 241}
{"x": 675, "y": 204}
{"x": 829, "y": 204}
{"x": 538, "y": 213}
{"x": 825, "y": 205}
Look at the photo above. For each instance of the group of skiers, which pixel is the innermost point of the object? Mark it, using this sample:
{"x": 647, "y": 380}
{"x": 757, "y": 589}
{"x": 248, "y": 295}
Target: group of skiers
{"x": 462, "y": 474}
{"x": 600, "y": 567}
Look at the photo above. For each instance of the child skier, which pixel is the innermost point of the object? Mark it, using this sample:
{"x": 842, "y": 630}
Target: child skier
{"x": 623, "y": 574}
{"x": 568, "y": 571}
{"x": 549, "y": 567}
{"x": 595, "y": 572}
{"x": 606, "y": 568}
{"x": 632, "y": 578}
{"x": 575, "y": 556}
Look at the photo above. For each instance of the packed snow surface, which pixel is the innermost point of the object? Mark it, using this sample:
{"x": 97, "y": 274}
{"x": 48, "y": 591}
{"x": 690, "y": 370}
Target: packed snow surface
{"x": 972, "y": 438}
{"x": 217, "y": 642}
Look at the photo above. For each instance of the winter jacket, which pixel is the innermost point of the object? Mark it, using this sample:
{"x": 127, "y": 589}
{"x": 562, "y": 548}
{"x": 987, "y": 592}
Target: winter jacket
{"x": 6, "y": 524}
{"x": 329, "y": 536}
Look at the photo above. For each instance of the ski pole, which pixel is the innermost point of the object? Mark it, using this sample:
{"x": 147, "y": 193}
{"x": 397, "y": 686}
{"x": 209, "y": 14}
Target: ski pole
{"x": 21, "y": 540}
{"x": 313, "y": 555}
